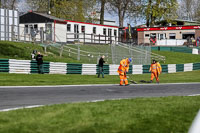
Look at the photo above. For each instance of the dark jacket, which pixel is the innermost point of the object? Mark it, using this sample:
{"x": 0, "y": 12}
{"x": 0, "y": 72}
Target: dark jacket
{"x": 39, "y": 59}
{"x": 101, "y": 61}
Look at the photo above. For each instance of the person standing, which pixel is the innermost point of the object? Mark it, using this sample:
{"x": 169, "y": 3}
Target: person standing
{"x": 122, "y": 70}
{"x": 101, "y": 62}
{"x": 159, "y": 68}
{"x": 39, "y": 59}
{"x": 154, "y": 71}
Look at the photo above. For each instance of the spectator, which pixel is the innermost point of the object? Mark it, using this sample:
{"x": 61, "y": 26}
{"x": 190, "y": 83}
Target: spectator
{"x": 101, "y": 62}
{"x": 40, "y": 63}
{"x": 198, "y": 41}
{"x": 33, "y": 54}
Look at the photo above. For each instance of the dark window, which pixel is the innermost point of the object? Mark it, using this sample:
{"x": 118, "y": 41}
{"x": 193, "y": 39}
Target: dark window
{"x": 94, "y": 30}
{"x": 26, "y": 29}
{"x": 109, "y": 32}
{"x": 188, "y": 35}
{"x": 115, "y": 32}
{"x": 153, "y": 35}
{"x": 83, "y": 29}
{"x": 68, "y": 27}
{"x": 172, "y": 35}
{"x": 104, "y": 31}
{"x": 35, "y": 27}
{"x": 146, "y": 35}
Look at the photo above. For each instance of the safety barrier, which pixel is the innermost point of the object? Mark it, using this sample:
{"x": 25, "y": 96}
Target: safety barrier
{"x": 172, "y": 49}
{"x": 31, "y": 67}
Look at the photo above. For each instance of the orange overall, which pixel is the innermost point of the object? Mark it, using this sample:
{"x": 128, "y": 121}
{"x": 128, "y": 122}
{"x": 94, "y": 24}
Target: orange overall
{"x": 159, "y": 68}
{"x": 154, "y": 72}
{"x": 123, "y": 68}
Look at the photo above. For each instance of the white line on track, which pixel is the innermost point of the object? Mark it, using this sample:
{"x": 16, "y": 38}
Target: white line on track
{"x": 88, "y": 85}
{"x": 25, "y": 107}
{"x": 193, "y": 95}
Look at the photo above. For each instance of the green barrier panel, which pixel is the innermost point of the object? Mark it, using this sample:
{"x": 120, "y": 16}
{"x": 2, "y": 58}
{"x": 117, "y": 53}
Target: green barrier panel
{"x": 179, "y": 67}
{"x": 74, "y": 68}
{"x": 4, "y": 65}
{"x": 130, "y": 71}
{"x": 34, "y": 67}
{"x": 181, "y": 49}
{"x": 196, "y": 66}
{"x": 146, "y": 68}
{"x": 106, "y": 69}
{"x": 154, "y": 48}
{"x": 164, "y": 68}
{"x": 165, "y": 48}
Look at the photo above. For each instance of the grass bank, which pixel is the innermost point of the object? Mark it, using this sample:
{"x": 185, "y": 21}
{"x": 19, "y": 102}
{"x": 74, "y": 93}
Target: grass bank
{"x": 140, "y": 115}
{"x": 19, "y": 50}
{"x": 48, "y": 79}
{"x": 178, "y": 58}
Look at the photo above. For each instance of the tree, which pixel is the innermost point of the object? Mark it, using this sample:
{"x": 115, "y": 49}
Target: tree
{"x": 103, "y": 2}
{"x": 156, "y": 10}
{"x": 9, "y": 4}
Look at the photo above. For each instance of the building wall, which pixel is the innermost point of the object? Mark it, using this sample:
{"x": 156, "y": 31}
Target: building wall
{"x": 143, "y": 38}
{"x": 9, "y": 24}
{"x": 89, "y": 32}
{"x": 60, "y": 32}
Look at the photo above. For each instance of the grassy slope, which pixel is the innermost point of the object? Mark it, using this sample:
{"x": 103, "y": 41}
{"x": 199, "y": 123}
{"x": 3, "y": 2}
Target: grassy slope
{"x": 140, "y": 115}
{"x": 16, "y": 50}
{"x": 48, "y": 79}
{"x": 178, "y": 58}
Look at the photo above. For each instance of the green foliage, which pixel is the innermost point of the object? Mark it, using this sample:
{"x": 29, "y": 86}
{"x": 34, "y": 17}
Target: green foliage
{"x": 156, "y": 10}
{"x": 139, "y": 115}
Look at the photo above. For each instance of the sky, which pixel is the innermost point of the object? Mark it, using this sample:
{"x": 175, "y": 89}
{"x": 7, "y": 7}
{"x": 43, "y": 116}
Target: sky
{"x": 23, "y": 7}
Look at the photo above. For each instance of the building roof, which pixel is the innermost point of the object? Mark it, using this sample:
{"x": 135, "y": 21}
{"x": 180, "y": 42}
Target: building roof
{"x": 35, "y": 17}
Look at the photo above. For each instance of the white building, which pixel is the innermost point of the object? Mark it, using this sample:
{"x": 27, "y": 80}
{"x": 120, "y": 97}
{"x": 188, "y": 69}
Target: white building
{"x": 49, "y": 28}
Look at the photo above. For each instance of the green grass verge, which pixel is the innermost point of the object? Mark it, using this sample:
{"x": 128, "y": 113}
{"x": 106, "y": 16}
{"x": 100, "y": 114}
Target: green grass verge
{"x": 178, "y": 58}
{"x": 19, "y": 50}
{"x": 48, "y": 79}
{"x": 140, "y": 115}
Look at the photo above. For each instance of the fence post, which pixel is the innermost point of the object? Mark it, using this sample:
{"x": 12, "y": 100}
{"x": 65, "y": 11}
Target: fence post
{"x": 42, "y": 34}
{"x": 105, "y": 39}
{"x": 69, "y": 52}
{"x": 84, "y": 38}
{"x": 61, "y": 50}
{"x": 78, "y": 55}
{"x": 99, "y": 38}
{"x": 12, "y": 33}
{"x": 91, "y": 38}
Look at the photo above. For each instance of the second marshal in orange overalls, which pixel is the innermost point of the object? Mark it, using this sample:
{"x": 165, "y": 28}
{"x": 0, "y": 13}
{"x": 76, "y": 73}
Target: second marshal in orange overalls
{"x": 123, "y": 69}
{"x": 154, "y": 71}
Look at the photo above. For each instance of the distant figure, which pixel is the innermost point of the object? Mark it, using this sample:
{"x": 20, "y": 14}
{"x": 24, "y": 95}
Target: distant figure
{"x": 33, "y": 35}
{"x": 198, "y": 41}
{"x": 101, "y": 62}
{"x": 122, "y": 70}
{"x": 33, "y": 54}
{"x": 40, "y": 63}
{"x": 159, "y": 68}
{"x": 154, "y": 71}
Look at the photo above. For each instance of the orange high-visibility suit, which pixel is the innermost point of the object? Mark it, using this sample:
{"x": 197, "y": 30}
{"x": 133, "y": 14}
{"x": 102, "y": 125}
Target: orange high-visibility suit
{"x": 123, "y": 68}
{"x": 159, "y": 68}
{"x": 154, "y": 71}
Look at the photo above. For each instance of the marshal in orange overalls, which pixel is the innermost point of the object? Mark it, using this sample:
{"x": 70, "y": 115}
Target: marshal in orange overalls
{"x": 123, "y": 69}
{"x": 154, "y": 71}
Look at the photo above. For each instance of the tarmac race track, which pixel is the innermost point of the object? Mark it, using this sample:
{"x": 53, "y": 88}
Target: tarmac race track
{"x": 16, "y": 97}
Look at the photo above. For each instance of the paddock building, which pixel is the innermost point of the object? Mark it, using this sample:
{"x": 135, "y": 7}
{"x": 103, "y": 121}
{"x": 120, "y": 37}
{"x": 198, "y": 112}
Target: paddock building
{"x": 167, "y": 36}
{"x": 49, "y": 28}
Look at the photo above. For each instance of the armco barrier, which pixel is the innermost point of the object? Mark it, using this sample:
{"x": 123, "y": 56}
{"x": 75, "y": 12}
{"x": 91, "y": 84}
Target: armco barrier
{"x": 172, "y": 49}
{"x": 30, "y": 67}
{"x": 4, "y": 65}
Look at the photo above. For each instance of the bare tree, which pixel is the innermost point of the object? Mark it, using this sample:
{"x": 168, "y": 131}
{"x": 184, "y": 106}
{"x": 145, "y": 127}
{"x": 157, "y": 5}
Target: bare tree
{"x": 8, "y": 4}
{"x": 103, "y": 2}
